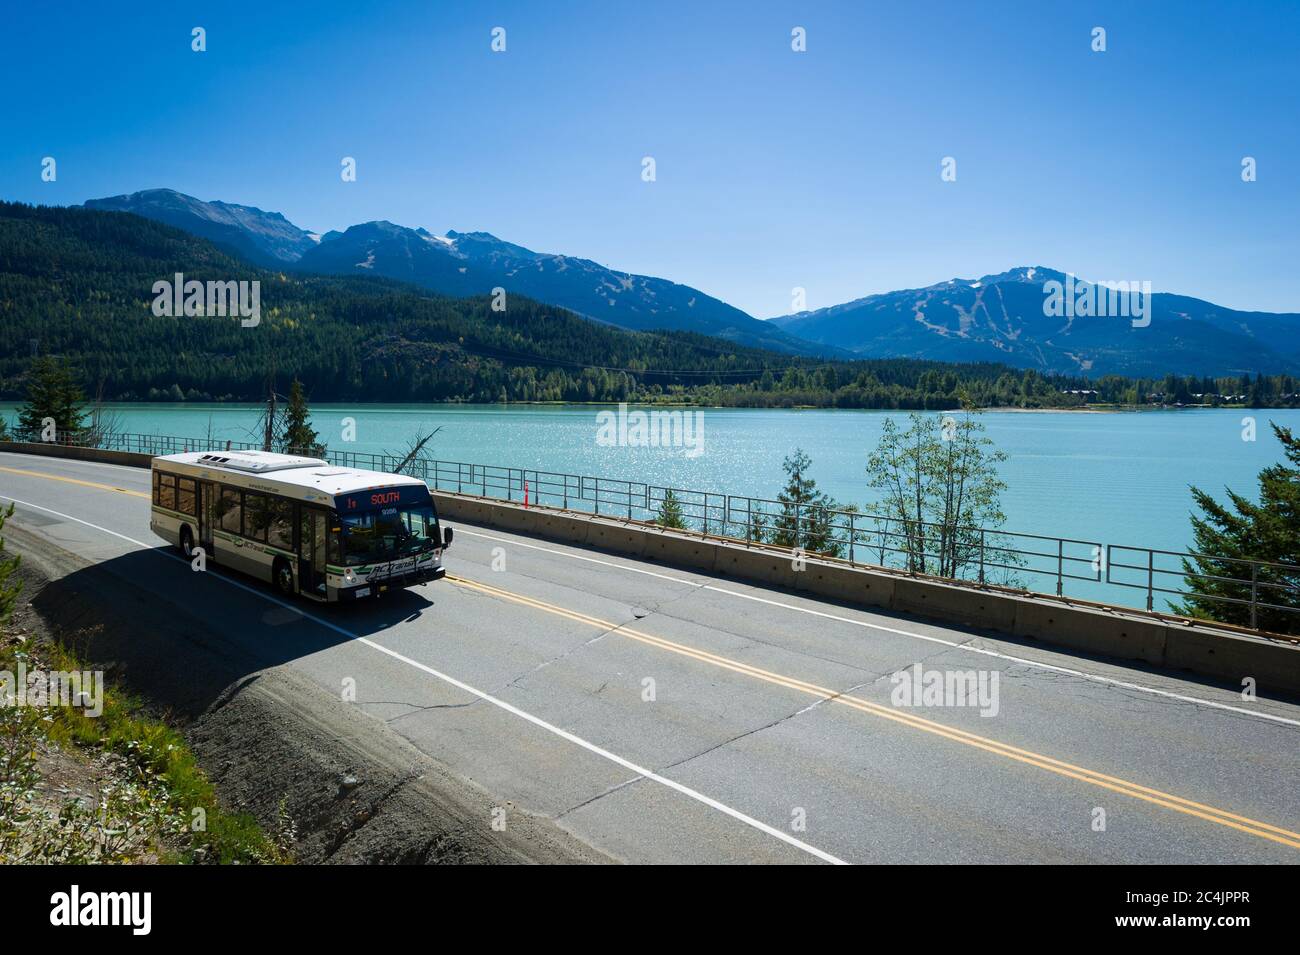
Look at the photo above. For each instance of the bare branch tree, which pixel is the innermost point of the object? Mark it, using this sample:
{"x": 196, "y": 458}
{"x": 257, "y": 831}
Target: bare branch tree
{"x": 415, "y": 460}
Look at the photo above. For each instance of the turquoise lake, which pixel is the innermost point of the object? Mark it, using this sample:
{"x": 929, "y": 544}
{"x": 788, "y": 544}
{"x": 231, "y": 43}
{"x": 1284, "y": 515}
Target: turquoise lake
{"x": 1115, "y": 478}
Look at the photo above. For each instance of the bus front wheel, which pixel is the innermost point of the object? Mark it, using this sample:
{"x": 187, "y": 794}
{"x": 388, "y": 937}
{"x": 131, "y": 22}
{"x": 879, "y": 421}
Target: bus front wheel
{"x": 187, "y": 541}
{"x": 282, "y": 575}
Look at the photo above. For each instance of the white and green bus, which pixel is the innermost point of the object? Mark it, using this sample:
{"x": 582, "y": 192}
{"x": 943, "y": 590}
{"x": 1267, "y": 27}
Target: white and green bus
{"x": 328, "y": 533}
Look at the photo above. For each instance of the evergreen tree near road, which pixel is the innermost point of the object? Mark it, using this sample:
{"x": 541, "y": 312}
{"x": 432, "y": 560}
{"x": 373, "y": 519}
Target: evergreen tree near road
{"x": 299, "y": 436}
{"x": 52, "y": 393}
{"x": 805, "y": 519}
{"x": 1243, "y": 529}
{"x": 670, "y": 512}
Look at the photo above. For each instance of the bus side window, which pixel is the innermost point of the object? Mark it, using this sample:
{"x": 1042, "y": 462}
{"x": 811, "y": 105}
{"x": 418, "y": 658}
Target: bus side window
{"x": 229, "y": 510}
{"x": 167, "y": 491}
{"x": 185, "y": 500}
{"x": 280, "y": 523}
{"x": 257, "y": 515}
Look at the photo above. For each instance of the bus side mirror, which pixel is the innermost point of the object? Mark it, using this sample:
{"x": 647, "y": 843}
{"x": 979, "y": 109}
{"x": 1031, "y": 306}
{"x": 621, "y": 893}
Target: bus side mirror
{"x": 446, "y": 536}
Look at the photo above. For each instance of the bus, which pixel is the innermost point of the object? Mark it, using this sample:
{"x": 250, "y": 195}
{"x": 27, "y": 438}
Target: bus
{"x": 327, "y": 533}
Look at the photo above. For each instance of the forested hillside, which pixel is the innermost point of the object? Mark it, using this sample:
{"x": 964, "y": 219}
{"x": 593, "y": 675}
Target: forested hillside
{"x": 78, "y": 283}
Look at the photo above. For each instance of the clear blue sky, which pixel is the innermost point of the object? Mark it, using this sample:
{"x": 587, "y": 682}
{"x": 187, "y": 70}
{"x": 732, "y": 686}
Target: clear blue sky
{"x": 775, "y": 169}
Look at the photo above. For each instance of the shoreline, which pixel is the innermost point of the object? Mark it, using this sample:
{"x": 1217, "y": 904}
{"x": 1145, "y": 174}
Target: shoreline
{"x": 10, "y": 406}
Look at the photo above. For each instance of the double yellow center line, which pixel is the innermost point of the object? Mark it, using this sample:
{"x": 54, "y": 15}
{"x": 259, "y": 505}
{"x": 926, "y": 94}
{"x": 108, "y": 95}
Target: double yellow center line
{"x": 68, "y": 480}
{"x": 1061, "y": 768}
{"x": 1114, "y": 784}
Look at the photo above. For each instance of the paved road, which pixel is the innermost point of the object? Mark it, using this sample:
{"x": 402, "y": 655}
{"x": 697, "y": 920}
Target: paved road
{"x": 770, "y": 734}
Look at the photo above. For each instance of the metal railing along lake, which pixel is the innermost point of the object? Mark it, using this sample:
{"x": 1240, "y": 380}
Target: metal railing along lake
{"x": 1253, "y": 593}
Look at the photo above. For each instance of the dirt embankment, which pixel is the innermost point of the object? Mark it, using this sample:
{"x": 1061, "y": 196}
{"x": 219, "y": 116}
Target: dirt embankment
{"x": 273, "y": 743}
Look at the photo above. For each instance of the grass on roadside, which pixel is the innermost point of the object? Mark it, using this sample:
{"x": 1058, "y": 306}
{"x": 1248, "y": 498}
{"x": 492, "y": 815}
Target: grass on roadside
{"x": 167, "y": 791}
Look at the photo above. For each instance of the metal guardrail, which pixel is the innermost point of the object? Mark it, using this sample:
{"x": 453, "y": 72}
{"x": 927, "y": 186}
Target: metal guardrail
{"x": 1253, "y": 592}
{"x": 981, "y": 556}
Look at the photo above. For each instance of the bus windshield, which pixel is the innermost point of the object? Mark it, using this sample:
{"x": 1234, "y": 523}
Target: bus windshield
{"x": 389, "y": 533}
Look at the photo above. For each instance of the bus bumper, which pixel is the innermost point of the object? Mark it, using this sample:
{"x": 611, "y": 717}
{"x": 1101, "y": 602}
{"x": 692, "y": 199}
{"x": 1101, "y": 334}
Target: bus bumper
{"x": 375, "y": 588}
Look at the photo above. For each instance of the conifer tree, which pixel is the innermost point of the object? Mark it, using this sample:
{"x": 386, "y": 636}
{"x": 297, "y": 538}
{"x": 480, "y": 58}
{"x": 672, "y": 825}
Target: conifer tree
{"x": 805, "y": 520}
{"x": 1245, "y": 530}
{"x": 299, "y": 436}
{"x": 670, "y": 512}
{"x": 52, "y": 393}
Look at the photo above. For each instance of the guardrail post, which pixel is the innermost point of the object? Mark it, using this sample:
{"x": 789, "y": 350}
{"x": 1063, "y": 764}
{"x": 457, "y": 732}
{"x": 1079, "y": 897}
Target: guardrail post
{"x": 749, "y": 520}
{"x": 597, "y": 495}
{"x": 1060, "y": 567}
{"x": 1151, "y": 579}
{"x": 1254, "y": 596}
{"x": 853, "y": 536}
{"x": 982, "y": 533}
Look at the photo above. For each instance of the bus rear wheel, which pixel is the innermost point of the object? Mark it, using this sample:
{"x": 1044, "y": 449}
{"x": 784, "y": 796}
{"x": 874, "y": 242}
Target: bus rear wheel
{"x": 187, "y": 541}
{"x": 282, "y": 577}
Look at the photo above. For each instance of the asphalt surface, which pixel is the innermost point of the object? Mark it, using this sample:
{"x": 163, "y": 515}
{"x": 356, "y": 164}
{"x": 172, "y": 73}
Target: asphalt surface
{"x": 663, "y": 715}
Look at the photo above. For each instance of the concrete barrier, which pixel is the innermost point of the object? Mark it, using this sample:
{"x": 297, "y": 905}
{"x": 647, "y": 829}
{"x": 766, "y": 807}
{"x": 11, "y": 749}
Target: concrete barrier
{"x": 965, "y": 605}
{"x": 1125, "y": 635}
{"x": 616, "y": 538}
{"x": 677, "y": 551}
{"x": 847, "y": 585}
{"x": 1092, "y": 631}
{"x": 561, "y": 527}
{"x": 1234, "y": 657}
{"x": 757, "y": 564}
{"x": 126, "y": 458}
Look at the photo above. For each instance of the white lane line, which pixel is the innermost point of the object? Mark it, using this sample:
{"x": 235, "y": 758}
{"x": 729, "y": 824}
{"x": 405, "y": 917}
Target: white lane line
{"x": 1068, "y": 671}
{"x": 485, "y": 697}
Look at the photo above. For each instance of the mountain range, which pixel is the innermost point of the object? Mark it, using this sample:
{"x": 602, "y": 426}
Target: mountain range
{"x": 995, "y": 318}
{"x": 267, "y": 239}
{"x": 1002, "y": 318}
{"x": 460, "y": 264}
{"x": 80, "y": 284}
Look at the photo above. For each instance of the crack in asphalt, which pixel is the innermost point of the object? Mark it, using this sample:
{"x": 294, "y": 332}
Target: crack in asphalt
{"x": 739, "y": 736}
{"x": 562, "y": 656}
{"x": 599, "y": 796}
{"x": 415, "y": 707}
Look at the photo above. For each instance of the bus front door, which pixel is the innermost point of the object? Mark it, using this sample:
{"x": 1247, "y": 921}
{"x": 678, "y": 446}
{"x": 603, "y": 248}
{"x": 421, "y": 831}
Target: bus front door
{"x": 311, "y": 552}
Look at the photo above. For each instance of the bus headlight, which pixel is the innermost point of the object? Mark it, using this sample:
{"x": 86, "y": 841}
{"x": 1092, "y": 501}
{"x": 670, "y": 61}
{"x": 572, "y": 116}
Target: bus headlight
{"x": 348, "y": 576}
